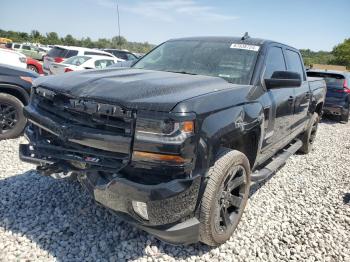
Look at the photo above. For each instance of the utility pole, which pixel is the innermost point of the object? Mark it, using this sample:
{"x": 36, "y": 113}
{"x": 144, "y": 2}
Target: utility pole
{"x": 118, "y": 24}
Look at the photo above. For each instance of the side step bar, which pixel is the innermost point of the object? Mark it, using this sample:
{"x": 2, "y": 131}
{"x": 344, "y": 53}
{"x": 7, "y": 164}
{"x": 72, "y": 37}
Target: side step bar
{"x": 278, "y": 161}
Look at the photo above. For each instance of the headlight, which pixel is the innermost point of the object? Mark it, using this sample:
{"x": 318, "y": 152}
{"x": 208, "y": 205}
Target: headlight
{"x": 168, "y": 131}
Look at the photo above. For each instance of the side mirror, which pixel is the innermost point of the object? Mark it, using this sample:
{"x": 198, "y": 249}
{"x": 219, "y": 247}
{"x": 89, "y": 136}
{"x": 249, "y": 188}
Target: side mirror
{"x": 283, "y": 79}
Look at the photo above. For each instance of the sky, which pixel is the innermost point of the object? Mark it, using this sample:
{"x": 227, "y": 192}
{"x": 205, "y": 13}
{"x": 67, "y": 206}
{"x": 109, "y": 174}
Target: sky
{"x": 314, "y": 24}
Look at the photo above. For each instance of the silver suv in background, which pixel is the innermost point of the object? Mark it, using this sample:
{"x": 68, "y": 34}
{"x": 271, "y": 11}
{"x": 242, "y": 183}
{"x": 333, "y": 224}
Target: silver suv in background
{"x": 59, "y": 54}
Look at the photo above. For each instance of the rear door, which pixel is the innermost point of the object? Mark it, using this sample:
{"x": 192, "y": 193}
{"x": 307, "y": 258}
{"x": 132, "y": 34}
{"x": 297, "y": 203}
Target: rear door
{"x": 302, "y": 93}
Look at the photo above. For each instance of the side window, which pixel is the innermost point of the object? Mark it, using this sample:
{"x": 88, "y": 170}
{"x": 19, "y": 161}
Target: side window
{"x": 26, "y": 47}
{"x": 294, "y": 63}
{"x": 274, "y": 62}
{"x": 100, "y": 64}
{"x": 17, "y": 46}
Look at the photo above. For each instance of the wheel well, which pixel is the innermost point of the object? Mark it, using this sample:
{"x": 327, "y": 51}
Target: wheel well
{"x": 32, "y": 65}
{"x": 248, "y": 145}
{"x": 318, "y": 109}
{"x": 14, "y": 92}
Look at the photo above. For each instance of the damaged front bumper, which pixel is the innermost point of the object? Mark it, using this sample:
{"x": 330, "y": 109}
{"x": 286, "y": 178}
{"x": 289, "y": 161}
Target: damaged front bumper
{"x": 171, "y": 204}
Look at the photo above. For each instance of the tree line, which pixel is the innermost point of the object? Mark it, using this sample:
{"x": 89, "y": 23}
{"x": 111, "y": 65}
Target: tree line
{"x": 340, "y": 55}
{"x": 52, "y": 38}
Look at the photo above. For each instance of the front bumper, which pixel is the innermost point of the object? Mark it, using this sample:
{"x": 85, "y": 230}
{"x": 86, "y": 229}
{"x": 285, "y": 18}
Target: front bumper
{"x": 170, "y": 205}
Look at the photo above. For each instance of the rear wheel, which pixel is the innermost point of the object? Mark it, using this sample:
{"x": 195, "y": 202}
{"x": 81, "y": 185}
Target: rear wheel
{"x": 308, "y": 137}
{"x": 224, "y": 198}
{"x": 12, "y": 120}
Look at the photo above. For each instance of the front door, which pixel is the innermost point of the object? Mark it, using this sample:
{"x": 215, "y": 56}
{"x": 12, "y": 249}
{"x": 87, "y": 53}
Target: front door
{"x": 281, "y": 106}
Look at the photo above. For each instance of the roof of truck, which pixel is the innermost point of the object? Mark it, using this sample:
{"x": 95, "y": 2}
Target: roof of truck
{"x": 248, "y": 41}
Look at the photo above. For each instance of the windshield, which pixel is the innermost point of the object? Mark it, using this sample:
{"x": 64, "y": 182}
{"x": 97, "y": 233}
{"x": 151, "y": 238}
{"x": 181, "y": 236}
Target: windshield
{"x": 77, "y": 60}
{"x": 210, "y": 58}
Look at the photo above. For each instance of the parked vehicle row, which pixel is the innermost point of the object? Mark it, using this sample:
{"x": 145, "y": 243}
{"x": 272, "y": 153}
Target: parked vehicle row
{"x": 173, "y": 144}
{"x": 59, "y": 54}
{"x": 34, "y": 52}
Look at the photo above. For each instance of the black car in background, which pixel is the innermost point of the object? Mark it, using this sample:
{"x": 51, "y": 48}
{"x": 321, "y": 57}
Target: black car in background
{"x": 122, "y": 54}
{"x": 338, "y": 92}
{"x": 15, "y": 85}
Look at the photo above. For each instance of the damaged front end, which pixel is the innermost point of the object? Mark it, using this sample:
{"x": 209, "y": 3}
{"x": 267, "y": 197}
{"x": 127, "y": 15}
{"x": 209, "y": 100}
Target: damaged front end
{"x": 144, "y": 176}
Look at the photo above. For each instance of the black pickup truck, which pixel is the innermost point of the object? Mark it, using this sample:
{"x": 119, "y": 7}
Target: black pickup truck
{"x": 174, "y": 143}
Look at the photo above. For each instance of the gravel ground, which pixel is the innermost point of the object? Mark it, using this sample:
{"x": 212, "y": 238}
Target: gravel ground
{"x": 301, "y": 213}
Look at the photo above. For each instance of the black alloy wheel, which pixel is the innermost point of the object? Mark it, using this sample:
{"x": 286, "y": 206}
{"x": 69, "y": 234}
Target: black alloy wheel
{"x": 231, "y": 198}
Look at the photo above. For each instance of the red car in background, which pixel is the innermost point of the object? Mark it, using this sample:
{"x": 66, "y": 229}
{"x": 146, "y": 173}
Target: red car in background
{"x": 35, "y": 66}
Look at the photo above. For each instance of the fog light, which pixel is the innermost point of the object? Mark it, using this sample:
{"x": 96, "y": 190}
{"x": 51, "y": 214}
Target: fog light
{"x": 140, "y": 208}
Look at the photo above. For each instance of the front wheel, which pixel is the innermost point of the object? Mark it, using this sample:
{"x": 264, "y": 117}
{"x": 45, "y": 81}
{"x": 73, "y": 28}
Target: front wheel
{"x": 224, "y": 198}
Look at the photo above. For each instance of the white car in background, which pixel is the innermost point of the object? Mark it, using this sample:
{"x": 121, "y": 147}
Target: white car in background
{"x": 59, "y": 54}
{"x": 13, "y": 58}
{"x": 77, "y": 63}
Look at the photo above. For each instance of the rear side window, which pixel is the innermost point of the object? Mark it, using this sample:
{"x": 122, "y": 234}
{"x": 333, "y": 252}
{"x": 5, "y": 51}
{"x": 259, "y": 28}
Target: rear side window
{"x": 274, "y": 62}
{"x": 294, "y": 63}
{"x": 77, "y": 60}
{"x": 16, "y": 46}
{"x": 100, "y": 64}
{"x": 332, "y": 80}
{"x": 57, "y": 52}
{"x": 71, "y": 53}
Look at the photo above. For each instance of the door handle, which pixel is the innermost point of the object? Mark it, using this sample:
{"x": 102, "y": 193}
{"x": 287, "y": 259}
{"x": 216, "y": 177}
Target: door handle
{"x": 291, "y": 99}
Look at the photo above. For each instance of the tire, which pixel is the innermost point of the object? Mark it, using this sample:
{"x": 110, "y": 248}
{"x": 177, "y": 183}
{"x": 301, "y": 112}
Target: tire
{"x": 12, "y": 120}
{"x": 308, "y": 137}
{"x": 232, "y": 168}
{"x": 33, "y": 68}
{"x": 345, "y": 115}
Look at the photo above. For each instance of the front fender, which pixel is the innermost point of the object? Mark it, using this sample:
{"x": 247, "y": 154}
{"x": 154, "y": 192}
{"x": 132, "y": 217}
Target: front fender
{"x": 224, "y": 128}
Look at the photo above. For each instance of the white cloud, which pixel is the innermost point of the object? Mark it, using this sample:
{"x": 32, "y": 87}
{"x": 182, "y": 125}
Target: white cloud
{"x": 169, "y": 10}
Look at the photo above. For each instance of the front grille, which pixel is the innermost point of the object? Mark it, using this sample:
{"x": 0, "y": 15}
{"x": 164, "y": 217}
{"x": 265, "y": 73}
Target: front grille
{"x": 70, "y": 130}
{"x": 86, "y": 113}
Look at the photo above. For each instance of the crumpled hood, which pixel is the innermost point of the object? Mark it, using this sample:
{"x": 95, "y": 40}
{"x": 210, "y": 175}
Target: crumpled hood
{"x": 134, "y": 88}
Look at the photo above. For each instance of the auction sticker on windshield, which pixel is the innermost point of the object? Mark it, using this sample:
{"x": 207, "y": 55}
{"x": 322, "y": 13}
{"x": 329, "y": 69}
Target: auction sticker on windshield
{"x": 246, "y": 47}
